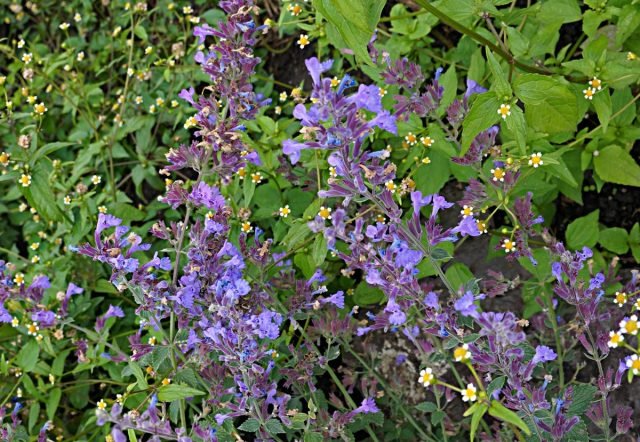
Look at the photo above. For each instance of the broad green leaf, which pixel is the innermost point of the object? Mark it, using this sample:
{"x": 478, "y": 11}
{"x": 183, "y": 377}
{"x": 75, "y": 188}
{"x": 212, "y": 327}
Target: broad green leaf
{"x": 482, "y": 115}
{"x": 251, "y": 425}
{"x": 449, "y": 81}
{"x": 427, "y": 407}
{"x": 34, "y": 414}
{"x": 458, "y": 275}
{"x": 583, "y": 231}
{"x": 274, "y": 426}
{"x": 173, "y": 392}
{"x": 518, "y": 128}
{"x": 47, "y": 149}
{"x": 614, "y": 239}
{"x": 40, "y": 194}
{"x": 297, "y": 234}
{"x": 602, "y": 103}
{"x": 432, "y": 177}
{"x": 634, "y": 241}
{"x": 355, "y": 21}
{"x": 500, "y": 83}
{"x": 615, "y": 165}
{"x": 53, "y": 400}
{"x": 27, "y": 358}
{"x": 367, "y": 295}
{"x": 628, "y": 22}
{"x": 319, "y": 250}
{"x": 499, "y": 411}
{"x": 550, "y": 105}
{"x": 137, "y": 372}
{"x": 582, "y": 397}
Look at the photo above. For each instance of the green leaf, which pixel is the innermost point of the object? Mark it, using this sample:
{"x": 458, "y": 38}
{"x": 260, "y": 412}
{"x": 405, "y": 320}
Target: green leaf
{"x": 475, "y": 420}
{"x": 367, "y": 295}
{"x": 136, "y": 371}
{"x": 482, "y": 115}
{"x": 582, "y": 397}
{"x": 27, "y": 358}
{"x": 615, "y": 165}
{"x": 40, "y": 194}
{"x": 432, "y": 177}
{"x": 427, "y": 407}
{"x": 355, "y": 21}
{"x": 499, "y": 411}
{"x": 34, "y": 414}
{"x": 57, "y": 367}
{"x": 634, "y": 241}
{"x": 628, "y": 22}
{"x": 53, "y": 401}
{"x": 496, "y": 384}
{"x": 47, "y": 149}
{"x": 614, "y": 239}
{"x": 550, "y": 105}
{"x": 296, "y": 234}
{"x": 319, "y": 250}
{"x": 173, "y": 392}
{"x": 251, "y": 425}
{"x": 132, "y": 435}
{"x": 602, "y": 103}
{"x": 274, "y": 426}
{"x": 518, "y": 128}
{"x": 458, "y": 275}
{"x": 500, "y": 84}
{"x": 141, "y": 32}
{"x": 583, "y": 231}
{"x": 449, "y": 81}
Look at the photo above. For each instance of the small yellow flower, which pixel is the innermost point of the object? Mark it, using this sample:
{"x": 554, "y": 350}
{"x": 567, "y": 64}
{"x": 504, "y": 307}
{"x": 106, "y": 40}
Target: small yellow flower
{"x": 637, "y": 304}
{"x": 595, "y": 83}
{"x": 325, "y": 213}
{"x": 32, "y": 329}
{"x": 630, "y": 325}
{"x": 504, "y": 111}
{"x": 335, "y": 82}
{"x": 187, "y": 10}
{"x": 333, "y": 172}
{"x": 277, "y": 110}
{"x": 35, "y": 259}
{"x": 482, "y": 226}
{"x": 380, "y": 219}
{"x": 166, "y": 381}
{"x": 102, "y": 405}
{"x": 15, "y": 322}
{"x": 27, "y": 58}
{"x": 256, "y": 177}
{"x": 303, "y": 41}
{"x": 77, "y": 17}
{"x": 426, "y": 141}
{"x": 40, "y": 109}
{"x": 148, "y": 50}
{"x": 67, "y": 200}
{"x": 390, "y": 185}
{"x": 95, "y": 179}
{"x": 620, "y": 298}
{"x": 102, "y": 209}
{"x": 295, "y": 9}
{"x": 152, "y": 341}
{"x": 4, "y": 158}
{"x": 25, "y": 180}
{"x": 191, "y": 122}
{"x": 52, "y": 379}
{"x": 32, "y": 99}
{"x": 426, "y": 160}
{"x": 615, "y": 339}
{"x": 633, "y": 363}
{"x": 35, "y": 246}
{"x": 382, "y": 92}
{"x": 588, "y": 93}
{"x": 469, "y": 393}
{"x": 426, "y": 377}
{"x": 283, "y": 96}
{"x": 246, "y": 227}
{"x": 285, "y": 211}
{"x": 466, "y": 211}
{"x": 631, "y": 56}
{"x": 159, "y": 101}
{"x": 64, "y": 26}
{"x": 242, "y": 172}
{"x": 152, "y": 109}
{"x": 411, "y": 139}
{"x": 536, "y": 160}
{"x": 498, "y": 174}
{"x": 80, "y": 56}
{"x": 508, "y": 245}
{"x": 462, "y": 353}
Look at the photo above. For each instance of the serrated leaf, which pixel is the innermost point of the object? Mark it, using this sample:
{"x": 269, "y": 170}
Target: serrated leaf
{"x": 500, "y": 84}
{"x": 319, "y": 250}
{"x": 274, "y": 426}
{"x": 582, "y": 397}
{"x": 518, "y": 128}
{"x": 602, "y": 102}
{"x": 251, "y": 425}
{"x": 615, "y": 165}
{"x": 174, "y": 392}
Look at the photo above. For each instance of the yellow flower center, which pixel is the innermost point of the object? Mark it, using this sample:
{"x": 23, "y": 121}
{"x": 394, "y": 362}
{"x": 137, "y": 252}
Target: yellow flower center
{"x": 635, "y": 364}
{"x": 461, "y": 354}
{"x": 427, "y": 141}
{"x": 498, "y": 173}
{"x": 631, "y": 326}
{"x": 616, "y": 338}
{"x": 410, "y": 138}
{"x": 621, "y": 298}
{"x": 325, "y": 212}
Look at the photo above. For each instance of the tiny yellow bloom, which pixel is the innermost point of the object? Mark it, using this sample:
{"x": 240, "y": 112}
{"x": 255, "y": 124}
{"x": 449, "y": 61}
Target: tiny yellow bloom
{"x": 630, "y": 325}
{"x": 32, "y": 329}
{"x": 588, "y": 93}
{"x": 335, "y": 82}
{"x": 426, "y": 141}
{"x": 35, "y": 259}
{"x": 148, "y": 50}
{"x": 382, "y": 92}
{"x": 595, "y": 83}
{"x": 152, "y": 341}
{"x": 426, "y": 377}
{"x": 303, "y": 41}
{"x": 67, "y": 200}
{"x": 35, "y": 246}
{"x": 482, "y": 226}
{"x": 633, "y": 363}
{"x": 95, "y": 179}
{"x": 466, "y": 211}
{"x": 256, "y": 177}
{"x": 504, "y": 111}
{"x": 283, "y": 96}
{"x": 191, "y": 122}
{"x": 166, "y": 381}
{"x": 159, "y": 101}
{"x": 246, "y": 227}
{"x": 25, "y": 180}
{"x": 631, "y": 56}
{"x": 40, "y": 109}
{"x": 102, "y": 209}
{"x": 390, "y": 185}
{"x": 620, "y": 298}
{"x": 27, "y": 58}
{"x": 4, "y": 158}
{"x": 77, "y": 17}
{"x": 295, "y": 9}
{"x": 64, "y": 26}
{"x": 498, "y": 174}
{"x": 615, "y": 339}
{"x": 637, "y": 304}
{"x": 325, "y": 213}
{"x": 462, "y": 353}
{"x": 536, "y": 160}
{"x": 285, "y": 211}
{"x": 508, "y": 245}
{"x": 411, "y": 139}
{"x": 426, "y": 160}
{"x": 32, "y": 99}
{"x": 333, "y": 172}
{"x": 469, "y": 393}
{"x": 242, "y": 172}
{"x": 102, "y": 405}
{"x": 15, "y": 322}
